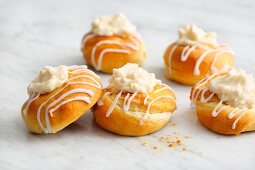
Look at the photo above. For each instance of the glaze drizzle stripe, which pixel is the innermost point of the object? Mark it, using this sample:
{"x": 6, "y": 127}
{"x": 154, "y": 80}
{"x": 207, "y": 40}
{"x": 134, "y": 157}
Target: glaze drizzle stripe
{"x": 188, "y": 49}
{"x": 126, "y": 107}
{"x": 218, "y": 108}
{"x": 243, "y": 112}
{"x": 133, "y": 46}
{"x": 29, "y": 102}
{"x": 149, "y": 105}
{"x": 86, "y": 39}
{"x": 109, "y": 50}
{"x": 79, "y": 98}
{"x": 170, "y": 58}
{"x": 100, "y": 102}
{"x": 203, "y": 99}
{"x": 110, "y": 109}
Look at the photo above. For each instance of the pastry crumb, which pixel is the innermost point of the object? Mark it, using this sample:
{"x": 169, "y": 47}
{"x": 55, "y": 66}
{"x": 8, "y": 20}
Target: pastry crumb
{"x": 184, "y": 149}
{"x": 145, "y": 143}
{"x": 154, "y": 147}
{"x": 187, "y": 137}
{"x": 174, "y": 124}
{"x": 179, "y": 142}
{"x": 173, "y": 140}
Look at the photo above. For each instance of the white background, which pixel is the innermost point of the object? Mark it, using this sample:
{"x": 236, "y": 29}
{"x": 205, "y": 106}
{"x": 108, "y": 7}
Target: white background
{"x": 38, "y": 33}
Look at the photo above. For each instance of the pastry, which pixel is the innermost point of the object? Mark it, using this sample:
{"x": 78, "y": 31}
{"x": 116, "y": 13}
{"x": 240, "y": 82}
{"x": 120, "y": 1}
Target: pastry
{"x": 112, "y": 42}
{"x": 135, "y": 103}
{"x": 58, "y": 96}
{"x": 225, "y": 102}
{"x": 195, "y": 55}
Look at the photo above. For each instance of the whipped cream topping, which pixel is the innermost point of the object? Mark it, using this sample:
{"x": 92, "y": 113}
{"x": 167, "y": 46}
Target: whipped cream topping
{"x": 236, "y": 89}
{"x": 113, "y": 25}
{"x": 48, "y": 79}
{"x": 132, "y": 78}
{"x": 193, "y": 35}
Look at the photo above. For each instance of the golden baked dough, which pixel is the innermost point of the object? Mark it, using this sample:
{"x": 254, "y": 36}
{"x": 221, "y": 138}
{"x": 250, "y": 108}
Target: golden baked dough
{"x": 51, "y": 112}
{"x": 189, "y": 64}
{"x": 217, "y": 116}
{"x": 105, "y": 53}
{"x": 146, "y": 114}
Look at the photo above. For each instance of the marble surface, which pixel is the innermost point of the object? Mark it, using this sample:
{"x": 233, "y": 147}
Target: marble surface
{"x": 38, "y": 33}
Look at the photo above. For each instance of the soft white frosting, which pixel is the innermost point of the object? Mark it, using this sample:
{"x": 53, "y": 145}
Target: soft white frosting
{"x": 193, "y": 35}
{"x": 113, "y": 25}
{"x": 131, "y": 78}
{"x": 236, "y": 89}
{"x": 48, "y": 79}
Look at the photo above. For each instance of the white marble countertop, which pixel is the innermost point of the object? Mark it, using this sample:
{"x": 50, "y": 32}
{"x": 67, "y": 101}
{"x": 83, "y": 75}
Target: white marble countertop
{"x": 38, "y": 33}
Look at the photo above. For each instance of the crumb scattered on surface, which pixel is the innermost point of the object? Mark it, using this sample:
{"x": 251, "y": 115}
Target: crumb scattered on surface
{"x": 145, "y": 143}
{"x": 187, "y": 137}
{"x": 173, "y": 140}
{"x": 174, "y": 124}
{"x": 154, "y": 147}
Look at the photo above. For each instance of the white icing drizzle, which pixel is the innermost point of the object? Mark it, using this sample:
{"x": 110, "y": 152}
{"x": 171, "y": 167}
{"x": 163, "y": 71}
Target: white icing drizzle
{"x": 149, "y": 105}
{"x": 202, "y": 99}
{"x": 188, "y": 49}
{"x": 136, "y": 45}
{"x": 205, "y": 54}
{"x": 218, "y": 108}
{"x": 30, "y": 100}
{"x": 86, "y": 39}
{"x": 170, "y": 58}
{"x": 109, "y": 50}
{"x": 195, "y": 93}
{"x": 163, "y": 88}
{"x": 241, "y": 115}
{"x": 146, "y": 98}
{"x": 127, "y": 105}
{"x": 234, "y": 112}
{"x": 225, "y": 67}
{"x": 125, "y": 101}
{"x": 79, "y": 98}
{"x": 100, "y": 102}
{"x": 133, "y": 46}
{"x": 83, "y": 70}
{"x": 72, "y": 70}
{"x": 109, "y": 111}
{"x": 185, "y": 56}
{"x": 76, "y": 67}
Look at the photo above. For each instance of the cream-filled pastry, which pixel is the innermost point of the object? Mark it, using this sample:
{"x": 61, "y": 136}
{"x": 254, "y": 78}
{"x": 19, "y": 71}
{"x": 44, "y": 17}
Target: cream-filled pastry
{"x": 58, "y": 96}
{"x": 225, "y": 102}
{"x": 112, "y": 42}
{"x": 135, "y": 103}
{"x": 195, "y": 55}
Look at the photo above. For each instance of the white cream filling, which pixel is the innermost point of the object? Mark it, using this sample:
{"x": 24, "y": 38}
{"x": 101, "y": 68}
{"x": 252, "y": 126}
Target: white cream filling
{"x": 193, "y": 35}
{"x": 132, "y": 78}
{"x": 48, "y": 79}
{"x": 113, "y": 25}
{"x": 236, "y": 89}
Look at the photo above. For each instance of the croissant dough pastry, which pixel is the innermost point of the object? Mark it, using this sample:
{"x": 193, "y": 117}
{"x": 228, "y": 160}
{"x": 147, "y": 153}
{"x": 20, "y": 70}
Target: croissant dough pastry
{"x": 134, "y": 112}
{"x": 73, "y": 91}
{"x": 196, "y": 55}
{"x": 112, "y": 43}
{"x": 225, "y": 102}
